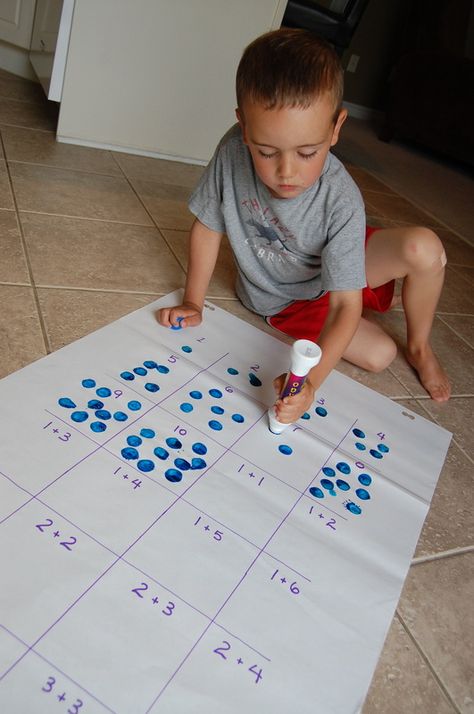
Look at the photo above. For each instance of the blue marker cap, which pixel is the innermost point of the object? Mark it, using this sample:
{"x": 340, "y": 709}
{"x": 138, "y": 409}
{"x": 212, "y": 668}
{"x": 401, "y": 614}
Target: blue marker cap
{"x": 177, "y": 327}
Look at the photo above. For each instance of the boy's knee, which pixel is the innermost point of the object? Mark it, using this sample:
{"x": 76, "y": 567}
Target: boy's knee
{"x": 381, "y": 357}
{"x": 424, "y": 250}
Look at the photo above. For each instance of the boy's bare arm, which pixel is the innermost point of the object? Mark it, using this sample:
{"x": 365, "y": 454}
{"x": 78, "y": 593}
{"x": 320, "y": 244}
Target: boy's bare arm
{"x": 203, "y": 249}
{"x": 345, "y": 308}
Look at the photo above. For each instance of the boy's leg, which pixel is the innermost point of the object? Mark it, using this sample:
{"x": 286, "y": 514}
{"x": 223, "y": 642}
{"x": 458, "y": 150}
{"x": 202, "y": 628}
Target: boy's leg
{"x": 417, "y": 256}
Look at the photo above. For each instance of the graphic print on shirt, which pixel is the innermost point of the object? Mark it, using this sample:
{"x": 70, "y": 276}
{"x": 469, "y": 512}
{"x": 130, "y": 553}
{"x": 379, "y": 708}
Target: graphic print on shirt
{"x": 267, "y": 235}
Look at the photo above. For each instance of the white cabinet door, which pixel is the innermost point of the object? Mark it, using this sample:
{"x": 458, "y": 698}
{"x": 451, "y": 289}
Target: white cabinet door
{"x": 16, "y": 21}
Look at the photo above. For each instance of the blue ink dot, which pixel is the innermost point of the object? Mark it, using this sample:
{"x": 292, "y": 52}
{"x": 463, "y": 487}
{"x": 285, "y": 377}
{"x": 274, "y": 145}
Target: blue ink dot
{"x": 199, "y": 448}
{"x": 362, "y": 494}
{"x": 98, "y": 426}
{"x": 182, "y": 464}
{"x": 66, "y": 402}
{"x": 332, "y": 492}
{"x": 254, "y": 380}
{"x": 327, "y": 471}
{"x": 134, "y": 406}
{"x": 133, "y": 440}
{"x": 173, "y": 443}
{"x": 343, "y": 485}
{"x": 186, "y": 407}
{"x": 147, "y": 433}
{"x": 383, "y": 448}
{"x": 365, "y": 479}
{"x": 95, "y": 404}
{"x": 141, "y": 371}
{"x": 327, "y": 484}
{"x": 162, "y": 369}
{"x": 88, "y": 383}
{"x": 306, "y": 416}
{"x": 178, "y": 326}
{"x": 173, "y": 475}
{"x": 353, "y": 508}
{"x": 120, "y": 416}
{"x": 129, "y": 453}
{"x": 152, "y": 387}
{"x": 217, "y": 410}
{"x": 216, "y": 425}
{"x": 128, "y": 376}
{"x": 145, "y": 465}
{"x": 315, "y": 491}
{"x": 79, "y": 416}
{"x": 161, "y": 453}
{"x": 232, "y": 370}
{"x": 376, "y": 454}
{"x": 103, "y": 392}
{"x": 359, "y": 433}
{"x": 150, "y": 363}
{"x": 197, "y": 463}
{"x": 216, "y": 393}
{"x": 187, "y": 348}
{"x": 321, "y": 411}
{"x": 195, "y": 394}
{"x": 238, "y": 418}
{"x": 285, "y": 449}
{"x": 343, "y": 467}
{"x": 103, "y": 414}
{"x": 360, "y": 446}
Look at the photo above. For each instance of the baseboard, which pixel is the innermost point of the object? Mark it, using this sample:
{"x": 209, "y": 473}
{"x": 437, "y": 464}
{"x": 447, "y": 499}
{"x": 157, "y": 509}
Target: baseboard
{"x": 129, "y": 150}
{"x": 359, "y": 112}
{"x": 16, "y": 60}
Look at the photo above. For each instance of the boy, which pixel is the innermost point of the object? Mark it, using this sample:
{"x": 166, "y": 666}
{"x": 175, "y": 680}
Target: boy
{"x": 296, "y": 223}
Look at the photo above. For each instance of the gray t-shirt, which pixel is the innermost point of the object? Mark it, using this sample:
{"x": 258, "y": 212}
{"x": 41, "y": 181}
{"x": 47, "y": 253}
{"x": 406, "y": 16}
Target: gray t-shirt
{"x": 285, "y": 249}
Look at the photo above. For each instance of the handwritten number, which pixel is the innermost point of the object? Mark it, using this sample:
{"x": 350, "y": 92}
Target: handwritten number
{"x": 42, "y": 526}
{"x": 68, "y": 543}
{"x": 75, "y": 707}
{"x": 331, "y": 523}
{"x": 49, "y": 685}
{"x": 65, "y": 437}
{"x": 137, "y": 591}
{"x": 169, "y": 609}
{"x": 220, "y": 650}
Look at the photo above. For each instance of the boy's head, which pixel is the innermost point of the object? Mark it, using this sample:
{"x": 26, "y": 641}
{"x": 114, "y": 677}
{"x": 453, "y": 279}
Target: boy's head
{"x": 289, "y": 95}
{"x": 289, "y": 68}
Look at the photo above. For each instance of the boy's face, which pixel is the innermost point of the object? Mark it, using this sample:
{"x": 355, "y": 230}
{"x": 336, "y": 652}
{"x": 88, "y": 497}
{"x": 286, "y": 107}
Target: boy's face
{"x": 289, "y": 145}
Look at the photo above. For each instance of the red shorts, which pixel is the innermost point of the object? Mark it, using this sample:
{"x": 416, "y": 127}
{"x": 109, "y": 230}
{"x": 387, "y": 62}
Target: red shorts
{"x": 304, "y": 319}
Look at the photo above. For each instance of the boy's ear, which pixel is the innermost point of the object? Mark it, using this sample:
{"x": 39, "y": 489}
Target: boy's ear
{"x": 240, "y": 119}
{"x": 337, "y": 127}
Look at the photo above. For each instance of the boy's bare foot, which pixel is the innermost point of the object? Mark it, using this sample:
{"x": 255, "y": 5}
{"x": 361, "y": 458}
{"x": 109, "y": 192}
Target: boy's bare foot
{"x": 432, "y": 376}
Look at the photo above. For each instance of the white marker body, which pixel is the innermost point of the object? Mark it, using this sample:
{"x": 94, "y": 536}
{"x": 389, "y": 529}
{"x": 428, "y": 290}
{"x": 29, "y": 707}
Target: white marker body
{"x": 304, "y": 356}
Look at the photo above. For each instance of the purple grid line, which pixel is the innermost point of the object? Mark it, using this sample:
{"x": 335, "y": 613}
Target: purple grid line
{"x": 62, "y": 673}
{"x": 184, "y": 660}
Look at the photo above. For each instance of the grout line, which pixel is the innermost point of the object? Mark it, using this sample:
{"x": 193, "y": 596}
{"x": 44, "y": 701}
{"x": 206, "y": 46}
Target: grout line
{"x": 87, "y": 218}
{"x": 64, "y": 168}
{"x": 456, "y": 332}
{"x": 426, "y": 660}
{"x": 444, "y": 554}
{"x": 26, "y": 128}
{"x": 41, "y": 321}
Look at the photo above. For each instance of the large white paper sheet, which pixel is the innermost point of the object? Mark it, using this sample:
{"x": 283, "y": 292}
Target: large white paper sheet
{"x": 161, "y": 551}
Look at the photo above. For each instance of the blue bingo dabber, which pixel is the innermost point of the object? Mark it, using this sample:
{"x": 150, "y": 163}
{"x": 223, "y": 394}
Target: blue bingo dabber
{"x": 304, "y": 356}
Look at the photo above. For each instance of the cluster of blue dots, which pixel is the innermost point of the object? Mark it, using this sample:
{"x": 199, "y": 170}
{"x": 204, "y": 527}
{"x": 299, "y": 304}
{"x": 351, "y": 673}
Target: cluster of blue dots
{"x": 216, "y": 409}
{"x": 131, "y": 453}
{"x": 319, "y": 411}
{"x": 332, "y": 480}
{"x": 98, "y": 407}
{"x": 253, "y": 379}
{"x": 148, "y": 366}
{"x": 377, "y": 453}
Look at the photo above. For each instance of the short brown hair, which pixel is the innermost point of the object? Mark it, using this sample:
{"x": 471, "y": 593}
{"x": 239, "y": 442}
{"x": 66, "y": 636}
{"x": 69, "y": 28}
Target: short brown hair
{"x": 289, "y": 68}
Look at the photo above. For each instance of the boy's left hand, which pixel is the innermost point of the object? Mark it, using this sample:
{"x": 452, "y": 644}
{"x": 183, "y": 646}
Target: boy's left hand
{"x": 290, "y": 409}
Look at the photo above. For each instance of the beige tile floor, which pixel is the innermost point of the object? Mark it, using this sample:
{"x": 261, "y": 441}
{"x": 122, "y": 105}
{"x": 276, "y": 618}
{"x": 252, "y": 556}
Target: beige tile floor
{"x": 87, "y": 236}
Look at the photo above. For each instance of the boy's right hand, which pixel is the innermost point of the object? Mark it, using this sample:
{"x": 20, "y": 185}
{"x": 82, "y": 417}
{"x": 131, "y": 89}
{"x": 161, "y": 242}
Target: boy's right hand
{"x": 186, "y": 315}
